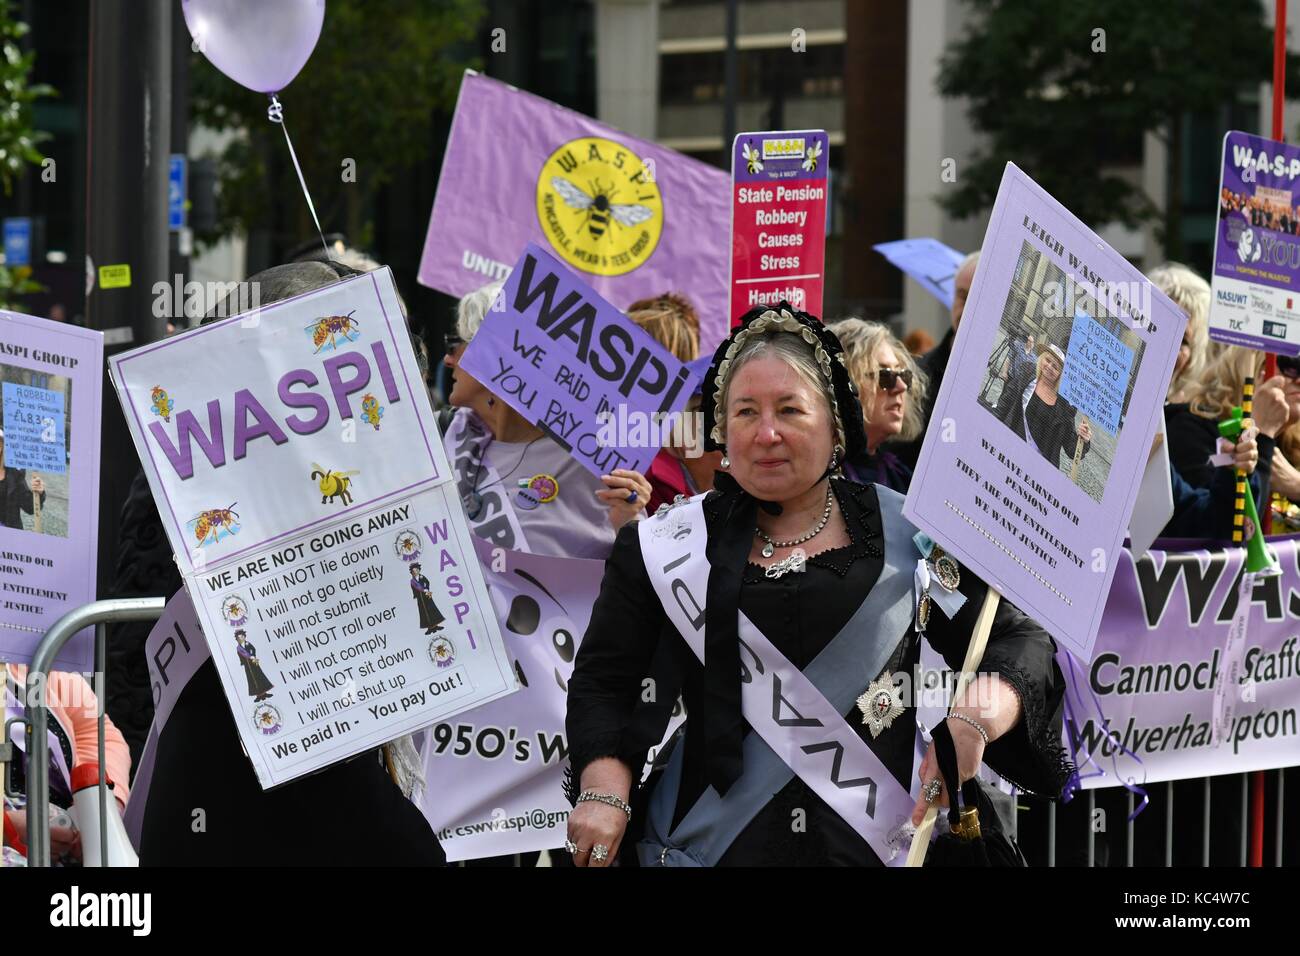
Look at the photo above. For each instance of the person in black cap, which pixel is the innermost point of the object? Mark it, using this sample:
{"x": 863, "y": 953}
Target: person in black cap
{"x": 793, "y": 550}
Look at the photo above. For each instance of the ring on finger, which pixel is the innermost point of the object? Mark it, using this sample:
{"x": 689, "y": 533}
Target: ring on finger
{"x": 572, "y": 847}
{"x": 599, "y": 852}
{"x": 932, "y": 790}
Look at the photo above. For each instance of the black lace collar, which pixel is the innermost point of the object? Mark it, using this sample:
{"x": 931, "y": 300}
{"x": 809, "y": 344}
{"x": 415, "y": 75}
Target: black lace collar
{"x": 861, "y": 512}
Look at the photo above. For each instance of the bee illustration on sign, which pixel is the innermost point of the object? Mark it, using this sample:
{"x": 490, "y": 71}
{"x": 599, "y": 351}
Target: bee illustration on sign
{"x": 234, "y": 610}
{"x": 266, "y": 718}
{"x": 328, "y": 330}
{"x": 333, "y": 484}
{"x": 812, "y": 156}
{"x": 371, "y": 410}
{"x": 599, "y": 206}
{"x": 162, "y": 403}
{"x": 209, "y": 527}
{"x": 753, "y": 162}
{"x": 407, "y": 545}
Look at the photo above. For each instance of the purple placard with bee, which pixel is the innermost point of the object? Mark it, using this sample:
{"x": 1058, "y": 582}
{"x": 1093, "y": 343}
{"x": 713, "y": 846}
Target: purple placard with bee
{"x": 51, "y": 383}
{"x": 300, "y": 413}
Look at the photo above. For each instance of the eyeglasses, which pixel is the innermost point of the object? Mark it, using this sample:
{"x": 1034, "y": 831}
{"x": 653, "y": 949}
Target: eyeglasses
{"x": 888, "y": 377}
{"x": 1289, "y": 365}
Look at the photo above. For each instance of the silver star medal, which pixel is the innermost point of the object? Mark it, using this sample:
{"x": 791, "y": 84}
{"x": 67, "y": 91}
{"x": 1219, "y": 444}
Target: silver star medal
{"x": 880, "y": 703}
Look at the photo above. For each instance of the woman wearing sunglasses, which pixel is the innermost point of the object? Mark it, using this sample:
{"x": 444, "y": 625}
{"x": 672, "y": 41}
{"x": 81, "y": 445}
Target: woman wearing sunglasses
{"x": 893, "y": 391}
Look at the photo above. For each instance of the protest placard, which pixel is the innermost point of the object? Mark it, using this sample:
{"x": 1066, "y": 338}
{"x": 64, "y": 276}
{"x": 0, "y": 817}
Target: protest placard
{"x": 1256, "y": 278}
{"x": 1023, "y": 487}
{"x": 173, "y": 653}
{"x": 928, "y": 261}
{"x": 778, "y": 219}
{"x": 579, "y": 369}
{"x": 1153, "y": 670}
{"x": 497, "y": 773}
{"x": 1154, "y": 506}
{"x": 635, "y": 219}
{"x": 1097, "y": 371}
{"x": 311, "y": 507}
{"x": 51, "y": 386}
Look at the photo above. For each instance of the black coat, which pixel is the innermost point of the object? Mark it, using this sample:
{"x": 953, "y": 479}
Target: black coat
{"x": 15, "y": 498}
{"x": 629, "y": 637}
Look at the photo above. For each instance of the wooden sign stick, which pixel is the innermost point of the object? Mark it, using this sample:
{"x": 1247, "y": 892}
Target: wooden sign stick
{"x": 974, "y": 654}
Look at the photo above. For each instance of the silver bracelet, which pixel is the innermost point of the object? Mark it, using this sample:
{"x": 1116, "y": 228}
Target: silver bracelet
{"x": 974, "y": 723}
{"x": 607, "y": 798}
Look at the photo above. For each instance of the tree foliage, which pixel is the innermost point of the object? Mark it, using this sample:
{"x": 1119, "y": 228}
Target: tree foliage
{"x": 369, "y": 93}
{"x": 19, "y": 137}
{"x": 1048, "y": 98}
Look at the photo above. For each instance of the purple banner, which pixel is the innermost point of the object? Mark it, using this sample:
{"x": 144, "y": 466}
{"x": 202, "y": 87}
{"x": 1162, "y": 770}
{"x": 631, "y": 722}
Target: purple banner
{"x": 575, "y": 366}
{"x": 636, "y": 219}
{"x": 1013, "y": 478}
{"x": 52, "y": 384}
{"x": 1157, "y": 657}
{"x": 496, "y": 773}
{"x": 1256, "y": 280}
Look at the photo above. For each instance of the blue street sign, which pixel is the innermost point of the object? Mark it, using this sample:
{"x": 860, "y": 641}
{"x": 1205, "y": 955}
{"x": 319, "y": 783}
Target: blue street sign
{"x": 176, "y": 193}
{"x": 18, "y": 241}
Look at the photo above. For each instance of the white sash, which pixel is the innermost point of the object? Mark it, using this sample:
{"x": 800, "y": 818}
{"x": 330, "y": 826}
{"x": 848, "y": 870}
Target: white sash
{"x": 496, "y": 521}
{"x": 777, "y": 699}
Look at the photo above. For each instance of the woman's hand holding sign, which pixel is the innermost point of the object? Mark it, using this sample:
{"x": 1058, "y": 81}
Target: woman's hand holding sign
{"x": 988, "y": 701}
{"x": 1084, "y": 431}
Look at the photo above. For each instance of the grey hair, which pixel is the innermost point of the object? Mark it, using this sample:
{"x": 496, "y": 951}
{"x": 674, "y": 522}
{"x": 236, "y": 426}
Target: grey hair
{"x": 473, "y": 308}
{"x": 791, "y": 349}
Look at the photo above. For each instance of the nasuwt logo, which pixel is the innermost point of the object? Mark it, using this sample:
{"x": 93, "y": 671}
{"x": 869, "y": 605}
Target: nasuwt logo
{"x": 1236, "y": 300}
{"x": 791, "y": 148}
{"x": 599, "y": 206}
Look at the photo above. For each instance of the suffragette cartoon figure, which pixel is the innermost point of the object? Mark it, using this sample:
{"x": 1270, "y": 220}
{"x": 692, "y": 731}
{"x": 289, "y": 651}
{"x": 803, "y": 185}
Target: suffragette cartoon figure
{"x": 430, "y": 617}
{"x": 259, "y": 686}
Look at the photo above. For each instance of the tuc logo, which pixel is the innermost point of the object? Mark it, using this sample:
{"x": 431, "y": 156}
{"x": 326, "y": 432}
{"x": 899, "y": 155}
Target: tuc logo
{"x": 599, "y": 206}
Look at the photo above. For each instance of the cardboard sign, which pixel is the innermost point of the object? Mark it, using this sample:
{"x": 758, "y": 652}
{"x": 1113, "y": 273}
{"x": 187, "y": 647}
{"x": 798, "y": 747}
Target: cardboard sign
{"x": 316, "y": 525}
{"x": 1256, "y": 278}
{"x": 579, "y": 369}
{"x": 928, "y": 261}
{"x": 780, "y": 189}
{"x": 635, "y": 219}
{"x": 1096, "y": 373}
{"x": 1005, "y": 481}
{"x": 51, "y": 384}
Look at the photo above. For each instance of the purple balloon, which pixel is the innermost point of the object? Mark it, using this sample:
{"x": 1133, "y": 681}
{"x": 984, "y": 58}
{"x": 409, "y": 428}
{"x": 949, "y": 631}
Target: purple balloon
{"x": 260, "y": 44}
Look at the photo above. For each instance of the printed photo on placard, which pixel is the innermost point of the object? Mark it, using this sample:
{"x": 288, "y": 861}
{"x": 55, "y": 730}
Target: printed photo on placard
{"x": 1061, "y": 372}
{"x": 35, "y": 419}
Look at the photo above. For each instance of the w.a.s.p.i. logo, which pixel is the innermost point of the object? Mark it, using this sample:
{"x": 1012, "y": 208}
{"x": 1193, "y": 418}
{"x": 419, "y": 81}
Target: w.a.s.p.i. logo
{"x": 599, "y": 206}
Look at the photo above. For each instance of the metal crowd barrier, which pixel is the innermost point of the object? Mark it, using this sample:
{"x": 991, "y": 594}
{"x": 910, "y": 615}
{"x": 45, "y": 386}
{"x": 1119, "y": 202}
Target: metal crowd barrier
{"x": 100, "y": 613}
{"x": 97, "y": 613}
{"x": 1055, "y": 831}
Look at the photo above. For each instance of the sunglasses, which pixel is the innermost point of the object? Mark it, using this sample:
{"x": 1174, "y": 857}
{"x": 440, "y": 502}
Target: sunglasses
{"x": 889, "y": 377}
{"x": 1289, "y": 365}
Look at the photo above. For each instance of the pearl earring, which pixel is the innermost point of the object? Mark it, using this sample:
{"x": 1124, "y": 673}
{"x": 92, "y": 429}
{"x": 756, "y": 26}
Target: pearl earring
{"x": 726, "y": 462}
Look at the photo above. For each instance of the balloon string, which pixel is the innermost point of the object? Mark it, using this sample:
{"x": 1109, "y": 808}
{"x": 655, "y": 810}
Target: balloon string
{"x": 275, "y": 113}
